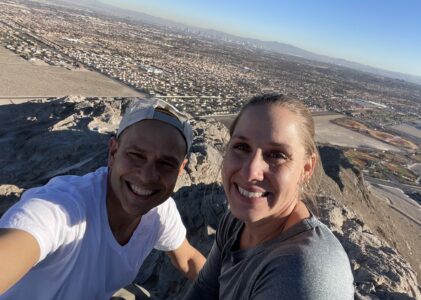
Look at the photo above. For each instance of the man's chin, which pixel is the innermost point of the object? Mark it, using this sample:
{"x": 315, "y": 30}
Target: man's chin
{"x": 136, "y": 211}
{"x": 142, "y": 205}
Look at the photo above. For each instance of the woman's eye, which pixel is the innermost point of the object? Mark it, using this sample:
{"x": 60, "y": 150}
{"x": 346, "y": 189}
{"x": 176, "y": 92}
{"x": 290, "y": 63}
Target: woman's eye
{"x": 276, "y": 155}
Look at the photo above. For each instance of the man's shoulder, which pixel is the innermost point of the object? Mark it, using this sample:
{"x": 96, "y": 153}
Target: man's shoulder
{"x": 166, "y": 207}
{"x": 68, "y": 182}
{"x": 70, "y": 189}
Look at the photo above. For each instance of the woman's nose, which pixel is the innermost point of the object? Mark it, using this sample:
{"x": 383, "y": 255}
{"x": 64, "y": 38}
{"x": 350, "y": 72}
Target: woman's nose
{"x": 254, "y": 167}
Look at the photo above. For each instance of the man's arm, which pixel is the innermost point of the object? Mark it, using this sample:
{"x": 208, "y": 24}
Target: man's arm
{"x": 187, "y": 259}
{"x": 19, "y": 252}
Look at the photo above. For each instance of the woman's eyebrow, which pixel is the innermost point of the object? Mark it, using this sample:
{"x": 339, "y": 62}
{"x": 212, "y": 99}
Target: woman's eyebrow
{"x": 284, "y": 146}
{"x": 281, "y": 145}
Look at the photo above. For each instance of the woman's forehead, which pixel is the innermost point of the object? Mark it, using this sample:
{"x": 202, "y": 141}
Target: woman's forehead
{"x": 270, "y": 125}
{"x": 272, "y": 118}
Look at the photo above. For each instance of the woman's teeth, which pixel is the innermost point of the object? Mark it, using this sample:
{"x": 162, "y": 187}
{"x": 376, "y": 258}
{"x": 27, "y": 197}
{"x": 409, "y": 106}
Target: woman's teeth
{"x": 248, "y": 194}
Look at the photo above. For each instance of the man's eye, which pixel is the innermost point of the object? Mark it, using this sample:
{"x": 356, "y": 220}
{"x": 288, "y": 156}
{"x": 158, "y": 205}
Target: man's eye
{"x": 135, "y": 155}
{"x": 241, "y": 147}
{"x": 168, "y": 164}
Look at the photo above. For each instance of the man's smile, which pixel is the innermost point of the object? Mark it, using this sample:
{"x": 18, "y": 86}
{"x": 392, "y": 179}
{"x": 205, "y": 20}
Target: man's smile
{"x": 140, "y": 191}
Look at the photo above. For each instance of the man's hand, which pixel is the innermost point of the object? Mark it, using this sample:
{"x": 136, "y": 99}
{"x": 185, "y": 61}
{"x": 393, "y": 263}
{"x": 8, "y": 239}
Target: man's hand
{"x": 19, "y": 252}
{"x": 187, "y": 259}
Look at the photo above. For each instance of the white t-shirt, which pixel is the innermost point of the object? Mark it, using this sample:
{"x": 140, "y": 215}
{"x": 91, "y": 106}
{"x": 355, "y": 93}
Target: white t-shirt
{"x": 80, "y": 258}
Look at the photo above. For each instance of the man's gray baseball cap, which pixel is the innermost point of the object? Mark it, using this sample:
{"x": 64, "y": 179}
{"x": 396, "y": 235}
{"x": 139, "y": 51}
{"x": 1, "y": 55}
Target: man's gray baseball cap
{"x": 156, "y": 109}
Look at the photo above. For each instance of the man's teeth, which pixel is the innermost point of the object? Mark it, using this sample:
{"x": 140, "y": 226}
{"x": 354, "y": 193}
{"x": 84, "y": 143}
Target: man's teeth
{"x": 248, "y": 194}
{"x": 139, "y": 191}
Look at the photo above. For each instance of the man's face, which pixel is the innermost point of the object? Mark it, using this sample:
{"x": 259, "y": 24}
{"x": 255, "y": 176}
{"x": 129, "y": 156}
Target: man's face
{"x": 144, "y": 164}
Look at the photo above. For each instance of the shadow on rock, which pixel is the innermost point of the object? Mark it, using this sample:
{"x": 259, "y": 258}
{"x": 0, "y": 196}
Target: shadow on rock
{"x": 201, "y": 207}
{"x": 332, "y": 160}
{"x": 47, "y": 139}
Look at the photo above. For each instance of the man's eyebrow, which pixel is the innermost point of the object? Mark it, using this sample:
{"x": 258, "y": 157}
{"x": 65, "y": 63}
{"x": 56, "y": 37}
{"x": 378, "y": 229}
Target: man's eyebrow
{"x": 169, "y": 158}
{"x": 240, "y": 137}
{"x": 136, "y": 148}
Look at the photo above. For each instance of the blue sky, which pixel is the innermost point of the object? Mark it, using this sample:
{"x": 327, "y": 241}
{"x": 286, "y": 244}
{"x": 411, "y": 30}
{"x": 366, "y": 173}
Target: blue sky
{"x": 384, "y": 34}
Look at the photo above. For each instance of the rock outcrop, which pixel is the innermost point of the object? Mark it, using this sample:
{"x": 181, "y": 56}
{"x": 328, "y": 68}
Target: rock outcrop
{"x": 69, "y": 136}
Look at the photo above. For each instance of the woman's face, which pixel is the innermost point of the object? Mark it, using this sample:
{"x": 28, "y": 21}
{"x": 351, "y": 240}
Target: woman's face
{"x": 265, "y": 163}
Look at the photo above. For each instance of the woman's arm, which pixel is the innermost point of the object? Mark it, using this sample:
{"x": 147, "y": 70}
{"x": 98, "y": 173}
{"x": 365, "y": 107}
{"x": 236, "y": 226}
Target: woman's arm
{"x": 206, "y": 285}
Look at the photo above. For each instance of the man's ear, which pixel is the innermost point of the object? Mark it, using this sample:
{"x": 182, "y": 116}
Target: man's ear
{"x": 309, "y": 167}
{"x": 112, "y": 149}
{"x": 183, "y": 164}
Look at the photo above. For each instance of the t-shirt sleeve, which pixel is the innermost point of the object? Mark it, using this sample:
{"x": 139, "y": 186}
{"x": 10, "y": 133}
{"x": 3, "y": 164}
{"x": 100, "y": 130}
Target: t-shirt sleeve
{"x": 303, "y": 279}
{"x": 48, "y": 222}
{"x": 172, "y": 231}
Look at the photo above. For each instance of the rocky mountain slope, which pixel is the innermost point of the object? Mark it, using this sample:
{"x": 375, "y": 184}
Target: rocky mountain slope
{"x": 69, "y": 136}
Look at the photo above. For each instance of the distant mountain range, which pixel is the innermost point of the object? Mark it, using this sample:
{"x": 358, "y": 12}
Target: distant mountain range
{"x": 287, "y": 49}
{"x": 274, "y": 46}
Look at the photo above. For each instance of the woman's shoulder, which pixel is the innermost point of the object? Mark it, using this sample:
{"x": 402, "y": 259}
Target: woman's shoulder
{"x": 309, "y": 257}
{"x": 309, "y": 246}
{"x": 309, "y": 240}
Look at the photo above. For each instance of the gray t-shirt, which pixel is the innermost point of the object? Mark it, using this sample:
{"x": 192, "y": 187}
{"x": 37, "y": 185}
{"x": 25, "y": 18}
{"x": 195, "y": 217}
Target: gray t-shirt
{"x": 304, "y": 262}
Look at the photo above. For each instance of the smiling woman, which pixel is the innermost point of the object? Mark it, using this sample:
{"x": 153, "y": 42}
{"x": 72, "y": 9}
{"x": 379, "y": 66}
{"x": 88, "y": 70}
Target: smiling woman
{"x": 270, "y": 246}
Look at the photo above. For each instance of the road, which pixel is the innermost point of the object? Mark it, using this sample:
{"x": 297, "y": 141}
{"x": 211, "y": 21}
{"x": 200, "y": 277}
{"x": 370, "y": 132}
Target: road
{"x": 404, "y": 187}
{"x": 394, "y": 194}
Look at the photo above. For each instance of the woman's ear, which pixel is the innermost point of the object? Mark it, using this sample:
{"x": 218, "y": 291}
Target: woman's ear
{"x": 309, "y": 167}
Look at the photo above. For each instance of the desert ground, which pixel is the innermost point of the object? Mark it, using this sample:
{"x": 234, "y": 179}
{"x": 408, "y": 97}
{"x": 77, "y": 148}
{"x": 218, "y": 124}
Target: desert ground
{"x": 396, "y": 219}
{"x": 329, "y": 133}
{"x": 408, "y": 129}
{"x": 21, "y": 79}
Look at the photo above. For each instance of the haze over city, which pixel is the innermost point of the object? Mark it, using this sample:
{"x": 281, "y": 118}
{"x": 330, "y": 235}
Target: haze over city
{"x": 382, "y": 34}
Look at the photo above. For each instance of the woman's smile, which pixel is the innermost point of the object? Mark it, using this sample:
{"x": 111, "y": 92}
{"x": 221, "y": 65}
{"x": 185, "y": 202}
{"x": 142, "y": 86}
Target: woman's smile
{"x": 249, "y": 194}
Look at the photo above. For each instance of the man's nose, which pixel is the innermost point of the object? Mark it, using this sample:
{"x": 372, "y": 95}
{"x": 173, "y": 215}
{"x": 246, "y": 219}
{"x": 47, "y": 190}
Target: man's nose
{"x": 148, "y": 172}
{"x": 254, "y": 167}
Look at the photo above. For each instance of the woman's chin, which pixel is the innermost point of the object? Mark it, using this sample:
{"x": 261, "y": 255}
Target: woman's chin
{"x": 246, "y": 215}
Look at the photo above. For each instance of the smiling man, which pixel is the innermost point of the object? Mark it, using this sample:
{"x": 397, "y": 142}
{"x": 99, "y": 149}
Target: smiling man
{"x": 84, "y": 237}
